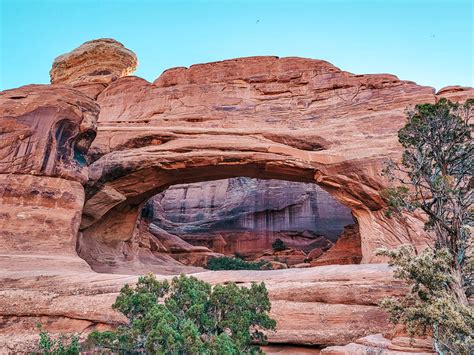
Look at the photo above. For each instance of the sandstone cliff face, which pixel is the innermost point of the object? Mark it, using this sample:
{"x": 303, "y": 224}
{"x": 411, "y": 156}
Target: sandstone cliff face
{"x": 243, "y": 215}
{"x": 44, "y": 137}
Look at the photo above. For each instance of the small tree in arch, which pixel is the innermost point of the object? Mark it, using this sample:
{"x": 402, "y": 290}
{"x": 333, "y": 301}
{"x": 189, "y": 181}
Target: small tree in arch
{"x": 278, "y": 245}
{"x": 435, "y": 176}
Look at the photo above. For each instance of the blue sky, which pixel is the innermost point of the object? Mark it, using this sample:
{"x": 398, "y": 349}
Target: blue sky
{"x": 429, "y": 41}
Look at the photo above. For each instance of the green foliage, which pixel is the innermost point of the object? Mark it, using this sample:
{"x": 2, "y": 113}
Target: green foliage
{"x": 226, "y": 263}
{"x": 398, "y": 199}
{"x": 278, "y": 245}
{"x": 188, "y": 316}
{"x": 63, "y": 345}
{"x": 239, "y": 256}
{"x": 436, "y": 177}
{"x": 429, "y": 307}
{"x": 436, "y": 173}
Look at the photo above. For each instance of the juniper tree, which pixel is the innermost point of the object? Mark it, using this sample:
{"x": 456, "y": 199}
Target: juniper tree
{"x": 189, "y": 316}
{"x": 435, "y": 175}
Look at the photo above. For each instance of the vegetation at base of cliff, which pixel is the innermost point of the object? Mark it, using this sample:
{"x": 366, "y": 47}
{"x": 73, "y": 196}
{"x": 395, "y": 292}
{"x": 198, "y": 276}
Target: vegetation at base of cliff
{"x": 278, "y": 245}
{"x": 429, "y": 307}
{"x": 62, "y": 345}
{"x": 435, "y": 177}
{"x": 226, "y": 263}
{"x": 188, "y": 316}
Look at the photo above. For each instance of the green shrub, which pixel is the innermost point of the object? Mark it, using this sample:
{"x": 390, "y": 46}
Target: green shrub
{"x": 226, "y": 263}
{"x": 278, "y": 245}
{"x": 63, "y": 345}
{"x": 188, "y": 316}
{"x": 430, "y": 307}
{"x": 239, "y": 256}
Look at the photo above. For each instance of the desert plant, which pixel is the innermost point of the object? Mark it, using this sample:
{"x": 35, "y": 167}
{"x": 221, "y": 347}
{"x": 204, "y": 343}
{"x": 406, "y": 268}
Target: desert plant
{"x": 239, "y": 256}
{"x": 188, "y": 316}
{"x": 435, "y": 177}
{"x": 61, "y": 345}
{"x": 226, "y": 263}
{"x": 430, "y": 307}
{"x": 278, "y": 245}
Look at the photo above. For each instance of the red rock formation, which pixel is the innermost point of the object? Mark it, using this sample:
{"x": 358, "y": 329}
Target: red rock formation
{"x": 324, "y": 305}
{"x": 378, "y": 344}
{"x": 290, "y": 118}
{"x": 346, "y": 250}
{"x": 305, "y": 120}
{"x": 244, "y": 204}
{"x": 45, "y": 132}
{"x": 93, "y": 65}
{"x": 246, "y": 216}
{"x": 289, "y": 256}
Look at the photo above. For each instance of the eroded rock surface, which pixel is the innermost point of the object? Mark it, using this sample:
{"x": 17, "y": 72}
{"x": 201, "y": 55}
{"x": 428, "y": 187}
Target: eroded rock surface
{"x": 337, "y": 301}
{"x": 94, "y": 65}
{"x": 284, "y": 118}
{"x": 246, "y": 216}
{"x": 294, "y": 119}
{"x": 45, "y": 133}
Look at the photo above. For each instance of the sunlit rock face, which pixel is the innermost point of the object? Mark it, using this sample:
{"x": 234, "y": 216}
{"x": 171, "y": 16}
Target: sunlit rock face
{"x": 249, "y": 214}
{"x": 99, "y": 61}
{"x": 45, "y": 133}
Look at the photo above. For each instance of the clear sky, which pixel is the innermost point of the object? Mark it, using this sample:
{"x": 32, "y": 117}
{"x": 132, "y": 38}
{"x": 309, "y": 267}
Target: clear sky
{"x": 427, "y": 41}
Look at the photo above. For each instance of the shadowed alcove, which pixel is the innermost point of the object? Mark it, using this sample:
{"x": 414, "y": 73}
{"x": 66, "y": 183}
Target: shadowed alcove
{"x": 244, "y": 217}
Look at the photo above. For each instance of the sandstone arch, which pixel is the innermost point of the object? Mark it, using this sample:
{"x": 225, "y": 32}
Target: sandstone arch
{"x": 304, "y": 120}
{"x": 140, "y": 173}
{"x": 292, "y": 118}
{"x": 287, "y": 118}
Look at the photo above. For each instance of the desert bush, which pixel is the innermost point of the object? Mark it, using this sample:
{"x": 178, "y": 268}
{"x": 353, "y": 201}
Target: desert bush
{"x": 62, "y": 345}
{"x": 278, "y": 245}
{"x": 239, "y": 256}
{"x": 188, "y": 316}
{"x": 226, "y": 263}
{"x": 429, "y": 307}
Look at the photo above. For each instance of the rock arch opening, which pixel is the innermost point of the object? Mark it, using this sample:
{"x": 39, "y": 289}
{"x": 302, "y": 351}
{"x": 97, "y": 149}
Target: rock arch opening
{"x": 116, "y": 238}
{"x": 243, "y": 217}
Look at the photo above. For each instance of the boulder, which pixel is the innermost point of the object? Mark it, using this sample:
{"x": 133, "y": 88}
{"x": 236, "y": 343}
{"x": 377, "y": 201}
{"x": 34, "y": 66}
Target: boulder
{"x": 96, "y": 62}
{"x": 347, "y": 249}
{"x": 315, "y": 253}
{"x": 273, "y": 265}
{"x": 288, "y": 256}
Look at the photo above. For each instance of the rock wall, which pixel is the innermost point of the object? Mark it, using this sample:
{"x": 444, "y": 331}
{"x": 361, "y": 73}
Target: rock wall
{"x": 327, "y": 305}
{"x": 252, "y": 205}
{"x": 248, "y": 215}
{"x": 292, "y": 118}
{"x": 304, "y": 121}
{"x": 45, "y": 132}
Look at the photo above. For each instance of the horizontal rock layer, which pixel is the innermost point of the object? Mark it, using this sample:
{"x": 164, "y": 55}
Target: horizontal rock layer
{"x": 337, "y": 301}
